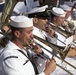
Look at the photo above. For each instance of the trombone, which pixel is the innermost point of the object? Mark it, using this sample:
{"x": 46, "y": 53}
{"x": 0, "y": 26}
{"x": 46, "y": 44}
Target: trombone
{"x": 9, "y": 5}
{"x": 61, "y": 50}
{"x": 62, "y": 32}
{"x": 70, "y": 23}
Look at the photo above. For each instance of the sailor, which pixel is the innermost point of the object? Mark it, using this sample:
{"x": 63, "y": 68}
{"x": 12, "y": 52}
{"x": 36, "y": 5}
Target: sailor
{"x": 57, "y": 19}
{"x": 68, "y": 19}
{"x": 14, "y": 59}
{"x": 36, "y": 14}
{"x": 69, "y": 3}
{"x": 40, "y": 19}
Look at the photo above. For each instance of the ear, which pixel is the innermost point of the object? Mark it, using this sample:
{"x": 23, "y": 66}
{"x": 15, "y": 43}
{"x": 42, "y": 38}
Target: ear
{"x": 55, "y": 18}
{"x": 35, "y": 20}
{"x": 17, "y": 33}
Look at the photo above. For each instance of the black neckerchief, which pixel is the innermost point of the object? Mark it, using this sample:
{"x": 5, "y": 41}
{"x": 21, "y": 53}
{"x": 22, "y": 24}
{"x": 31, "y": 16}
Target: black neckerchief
{"x": 35, "y": 68}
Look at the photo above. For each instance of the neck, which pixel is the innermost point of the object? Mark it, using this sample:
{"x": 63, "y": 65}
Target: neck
{"x": 18, "y": 43}
{"x": 36, "y": 25}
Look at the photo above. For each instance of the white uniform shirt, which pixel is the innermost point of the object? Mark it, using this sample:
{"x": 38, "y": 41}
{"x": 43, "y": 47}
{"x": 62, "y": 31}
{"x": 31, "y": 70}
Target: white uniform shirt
{"x": 41, "y": 63}
{"x": 13, "y": 62}
{"x": 61, "y": 38}
{"x": 69, "y": 18}
{"x": 59, "y": 71}
{"x": 40, "y": 33}
{"x": 21, "y": 7}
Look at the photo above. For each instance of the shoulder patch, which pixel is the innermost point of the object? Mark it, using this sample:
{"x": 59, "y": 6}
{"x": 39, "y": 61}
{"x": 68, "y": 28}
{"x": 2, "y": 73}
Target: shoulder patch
{"x": 10, "y": 57}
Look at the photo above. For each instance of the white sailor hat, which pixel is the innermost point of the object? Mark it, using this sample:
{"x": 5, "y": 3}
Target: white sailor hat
{"x": 74, "y": 2}
{"x": 58, "y": 12}
{"x": 69, "y": 3}
{"x": 39, "y": 12}
{"x": 65, "y": 7}
{"x": 38, "y": 9}
{"x": 21, "y": 21}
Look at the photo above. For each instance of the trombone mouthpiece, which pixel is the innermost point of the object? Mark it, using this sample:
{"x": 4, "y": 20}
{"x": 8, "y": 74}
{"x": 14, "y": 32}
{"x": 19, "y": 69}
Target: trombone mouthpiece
{"x": 33, "y": 41}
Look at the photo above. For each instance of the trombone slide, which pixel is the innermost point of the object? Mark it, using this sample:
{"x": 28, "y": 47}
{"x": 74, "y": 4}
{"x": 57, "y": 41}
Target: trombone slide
{"x": 44, "y": 56}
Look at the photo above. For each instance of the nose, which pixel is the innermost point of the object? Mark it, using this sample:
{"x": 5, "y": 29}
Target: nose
{"x": 31, "y": 35}
{"x": 63, "y": 19}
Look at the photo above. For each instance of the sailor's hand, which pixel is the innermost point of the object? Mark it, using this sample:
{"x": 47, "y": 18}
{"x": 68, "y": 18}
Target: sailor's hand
{"x": 50, "y": 66}
{"x": 72, "y": 52}
{"x": 37, "y": 49}
{"x": 50, "y": 31}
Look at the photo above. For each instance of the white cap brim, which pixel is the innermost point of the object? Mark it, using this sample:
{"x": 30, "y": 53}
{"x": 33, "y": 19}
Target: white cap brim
{"x": 38, "y": 9}
{"x": 65, "y": 7}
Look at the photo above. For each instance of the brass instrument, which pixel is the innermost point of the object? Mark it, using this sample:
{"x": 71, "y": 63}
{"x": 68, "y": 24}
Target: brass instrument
{"x": 62, "y": 32}
{"x": 7, "y": 11}
{"x": 8, "y": 8}
{"x": 61, "y": 50}
{"x": 70, "y": 24}
{"x": 5, "y": 19}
